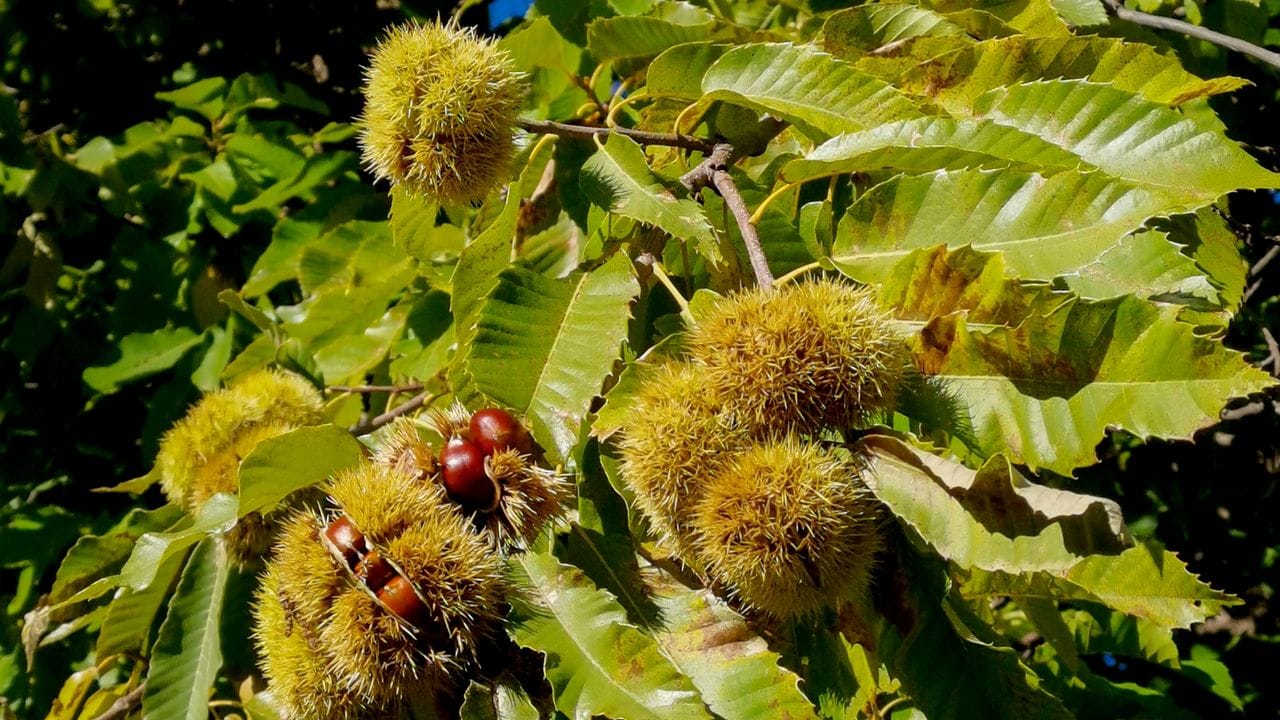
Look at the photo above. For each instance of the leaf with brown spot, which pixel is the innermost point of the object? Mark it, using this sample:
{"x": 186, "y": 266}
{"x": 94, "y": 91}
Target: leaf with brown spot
{"x": 733, "y": 667}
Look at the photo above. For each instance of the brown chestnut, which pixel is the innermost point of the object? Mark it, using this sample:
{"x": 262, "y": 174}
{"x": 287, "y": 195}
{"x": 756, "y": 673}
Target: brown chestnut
{"x": 400, "y": 599}
{"x": 347, "y": 538}
{"x": 494, "y": 430}
{"x": 374, "y": 570}
{"x": 462, "y": 469}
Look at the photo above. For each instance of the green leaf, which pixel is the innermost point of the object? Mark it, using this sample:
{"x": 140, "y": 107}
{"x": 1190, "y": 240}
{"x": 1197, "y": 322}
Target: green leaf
{"x": 820, "y": 94}
{"x": 217, "y": 515}
{"x": 1129, "y": 137}
{"x": 318, "y": 169}
{"x": 1005, "y": 502}
{"x": 1143, "y": 582}
{"x": 933, "y": 143}
{"x": 256, "y": 317}
{"x": 617, "y": 178}
{"x": 1149, "y": 265}
{"x": 476, "y": 275}
{"x": 732, "y": 667}
{"x": 1081, "y": 13}
{"x": 188, "y": 653}
{"x": 1045, "y": 226}
{"x": 1149, "y": 583}
{"x": 935, "y": 282}
{"x": 956, "y": 78}
{"x": 500, "y": 701}
{"x": 673, "y": 23}
{"x": 948, "y": 670}
{"x": 94, "y": 556}
{"x": 1033, "y": 17}
{"x": 1045, "y": 392}
{"x": 142, "y": 355}
{"x": 414, "y": 229}
{"x": 1097, "y": 631}
{"x": 131, "y": 615}
{"x": 281, "y": 465}
{"x": 678, "y": 71}
{"x": 614, "y": 414}
{"x": 861, "y": 29}
{"x": 204, "y": 97}
{"x": 596, "y": 662}
{"x": 545, "y": 347}
{"x": 920, "y": 499}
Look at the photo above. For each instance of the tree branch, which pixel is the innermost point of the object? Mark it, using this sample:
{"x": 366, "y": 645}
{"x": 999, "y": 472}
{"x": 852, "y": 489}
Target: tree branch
{"x": 404, "y": 408}
{"x": 124, "y": 705}
{"x": 584, "y": 132}
{"x": 713, "y": 172}
{"x": 1115, "y": 8}
{"x": 366, "y": 389}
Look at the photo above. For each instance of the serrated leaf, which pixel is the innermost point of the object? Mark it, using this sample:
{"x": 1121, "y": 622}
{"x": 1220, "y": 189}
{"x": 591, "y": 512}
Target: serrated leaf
{"x": 1081, "y": 13}
{"x": 1128, "y": 137}
{"x": 94, "y": 556}
{"x": 916, "y": 496}
{"x": 1044, "y": 226}
{"x": 1143, "y": 582}
{"x": 188, "y": 652}
{"x": 1033, "y": 17}
{"x": 678, "y": 71}
{"x": 853, "y": 31}
{"x": 617, "y": 178}
{"x": 820, "y": 94}
{"x": 934, "y": 282}
{"x": 933, "y": 143}
{"x": 414, "y": 229}
{"x": 131, "y": 615}
{"x": 300, "y": 458}
{"x": 627, "y": 37}
{"x": 949, "y": 671}
{"x": 1210, "y": 241}
{"x": 732, "y": 667}
{"x": 1150, "y": 583}
{"x": 1045, "y": 392}
{"x": 596, "y": 662}
{"x": 613, "y": 415}
{"x": 1098, "y": 631}
{"x": 1146, "y": 264}
{"x": 318, "y": 169}
{"x": 608, "y": 559}
{"x": 1004, "y": 501}
{"x": 957, "y": 77}
{"x": 500, "y": 701}
{"x": 216, "y": 515}
{"x": 72, "y": 695}
{"x": 142, "y": 355}
{"x": 203, "y": 96}
{"x": 545, "y": 346}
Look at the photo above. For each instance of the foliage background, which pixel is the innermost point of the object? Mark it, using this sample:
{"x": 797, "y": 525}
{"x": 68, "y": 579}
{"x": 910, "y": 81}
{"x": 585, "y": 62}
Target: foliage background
{"x": 116, "y": 228}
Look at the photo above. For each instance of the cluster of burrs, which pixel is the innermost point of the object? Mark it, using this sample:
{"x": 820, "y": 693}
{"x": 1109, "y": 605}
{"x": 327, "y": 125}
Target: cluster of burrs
{"x": 734, "y": 453}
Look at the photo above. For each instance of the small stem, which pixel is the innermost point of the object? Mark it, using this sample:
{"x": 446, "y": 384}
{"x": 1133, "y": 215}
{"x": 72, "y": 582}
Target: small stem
{"x": 759, "y": 213}
{"x": 665, "y": 279}
{"x": 615, "y": 107}
{"x": 803, "y": 269}
{"x": 365, "y": 389}
{"x": 1200, "y": 33}
{"x": 643, "y": 137}
{"x": 729, "y": 191}
{"x": 1275, "y": 351}
{"x": 713, "y": 171}
{"x": 124, "y": 705}
{"x": 884, "y": 711}
{"x": 423, "y": 398}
